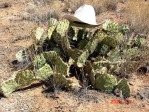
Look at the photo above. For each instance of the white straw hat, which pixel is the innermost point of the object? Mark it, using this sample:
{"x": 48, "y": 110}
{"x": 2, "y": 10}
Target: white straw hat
{"x": 84, "y": 14}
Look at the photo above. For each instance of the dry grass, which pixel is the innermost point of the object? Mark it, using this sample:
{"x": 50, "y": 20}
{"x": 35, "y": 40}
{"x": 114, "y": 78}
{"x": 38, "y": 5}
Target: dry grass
{"x": 57, "y": 8}
{"x": 137, "y": 14}
{"x": 74, "y": 4}
{"x": 99, "y": 5}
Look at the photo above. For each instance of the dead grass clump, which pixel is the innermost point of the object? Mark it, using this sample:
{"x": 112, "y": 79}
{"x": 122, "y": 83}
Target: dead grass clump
{"x": 137, "y": 14}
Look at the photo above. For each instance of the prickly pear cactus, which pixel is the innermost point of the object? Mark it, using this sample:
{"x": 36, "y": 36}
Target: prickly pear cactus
{"x": 95, "y": 54}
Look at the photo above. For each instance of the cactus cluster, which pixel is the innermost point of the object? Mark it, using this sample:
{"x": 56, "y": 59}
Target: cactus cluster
{"x": 96, "y": 54}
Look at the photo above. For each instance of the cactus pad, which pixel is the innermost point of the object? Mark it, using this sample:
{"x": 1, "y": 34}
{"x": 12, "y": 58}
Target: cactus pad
{"x": 62, "y": 27}
{"x": 105, "y": 82}
{"x": 40, "y": 34}
{"x": 53, "y": 22}
{"x": 82, "y": 58}
{"x": 124, "y": 87}
{"x": 56, "y": 62}
{"x": 24, "y": 78}
{"x": 44, "y": 72}
{"x": 111, "y": 26}
{"x": 39, "y": 61}
{"x": 8, "y": 87}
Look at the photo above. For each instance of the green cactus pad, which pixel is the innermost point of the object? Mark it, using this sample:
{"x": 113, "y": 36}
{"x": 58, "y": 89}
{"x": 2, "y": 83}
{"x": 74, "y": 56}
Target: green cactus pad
{"x": 91, "y": 46}
{"x": 40, "y": 34}
{"x": 124, "y": 87}
{"x": 93, "y": 43}
{"x": 74, "y": 53}
{"x": 24, "y": 78}
{"x": 18, "y": 80}
{"x": 8, "y": 86}
{"x": 39, "y": 61}
{"x": 114, "y": 55}
{"x": 102, "y": 49}
{"x": 50, "y": 31}
{"x": 110, "y": 26}
{"x": 61, "y": 80}
{"x": 53, "y": 22}
{"x": 56, "y": 62}
{"x": 82, "y": 44}
{"x": 82, "y": 58}
{"x": 59, "y": 35}
{"x": 113, "y": 39}
{"x": 88, "y": 69}
{"x": 105, "y": 82}
{"x": 119, "y": 37}
{"x": 62, "y": 27}
{"x": 44, "y": 72}
{"x": 100, "y": 35}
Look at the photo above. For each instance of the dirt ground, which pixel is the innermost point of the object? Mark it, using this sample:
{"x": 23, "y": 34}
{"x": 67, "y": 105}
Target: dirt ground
{"x": 17, "y": 19}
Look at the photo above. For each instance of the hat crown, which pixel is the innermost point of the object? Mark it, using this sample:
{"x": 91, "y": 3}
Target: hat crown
{"x": 86, "y": 13}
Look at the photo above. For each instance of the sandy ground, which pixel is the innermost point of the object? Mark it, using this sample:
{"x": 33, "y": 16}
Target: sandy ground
{"x": 17, "y": 19}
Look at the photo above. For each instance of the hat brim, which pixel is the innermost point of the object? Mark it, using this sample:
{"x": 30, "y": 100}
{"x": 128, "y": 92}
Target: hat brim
{"x": 75, "y": 20}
